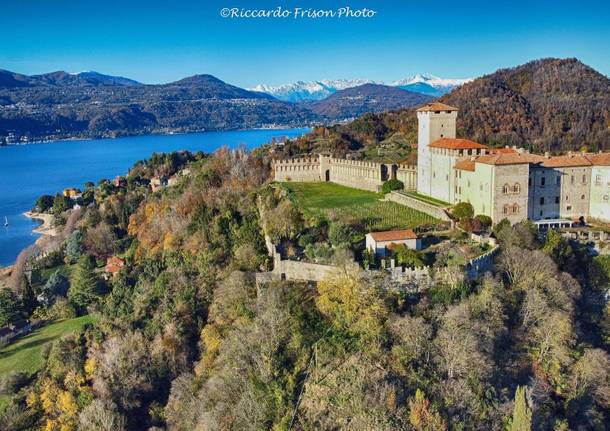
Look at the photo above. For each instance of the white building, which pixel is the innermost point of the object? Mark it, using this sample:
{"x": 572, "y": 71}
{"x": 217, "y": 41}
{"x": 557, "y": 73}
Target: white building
{"x": 378, "y": 242}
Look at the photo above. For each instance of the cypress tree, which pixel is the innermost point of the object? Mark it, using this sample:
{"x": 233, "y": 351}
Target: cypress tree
{"x": 84, "y": 287}
{"x": 522, "y": 414}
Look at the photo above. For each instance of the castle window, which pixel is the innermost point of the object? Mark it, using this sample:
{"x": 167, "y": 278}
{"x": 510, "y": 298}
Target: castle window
{"x": 517, "y": 188}
{"x": 447, "y": 177}
{"x": 598, "y": 180}
{"x": 567, "y": 198}
{"x": 542, "y": 181}
{"x": 505, "y": 209}
{"x": 584, "y": 179}
{"x": 506, "y": 189}
{"x": 582, "y": 197}
{"x": 572, "y": 179}
{"x": 556, "y": 199}
{"x": 515, "y": 209}
{"x": 433, "y": 174}
{"x": 569, "y": 208}
{"x": 529, "y": 181}
{"x": 557, "y": 180}
{"x": 541, "y": 201}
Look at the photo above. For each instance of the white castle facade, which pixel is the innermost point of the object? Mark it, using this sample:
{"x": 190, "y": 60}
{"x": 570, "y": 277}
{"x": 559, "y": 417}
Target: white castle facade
{"x": 499, "y": 182}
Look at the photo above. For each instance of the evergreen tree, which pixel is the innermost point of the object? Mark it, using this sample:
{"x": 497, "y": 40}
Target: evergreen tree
{"x": 11, "y": 309}
{"x": 28, "y": 297}
{"x": 84, "y": 286}
{"x": 522, "y": 414}
{"x": 74, "y": 246}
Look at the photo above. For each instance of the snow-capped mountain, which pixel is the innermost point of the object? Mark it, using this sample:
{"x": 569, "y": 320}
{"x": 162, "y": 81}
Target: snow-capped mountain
{"x": 310, "y": 90}
{"x": 318, "y": 90}
{"x": 430, "y": 84}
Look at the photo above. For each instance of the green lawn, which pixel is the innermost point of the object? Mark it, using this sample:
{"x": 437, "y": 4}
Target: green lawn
{"x": 25, "y": 354}
{"x": 348, "y": 204}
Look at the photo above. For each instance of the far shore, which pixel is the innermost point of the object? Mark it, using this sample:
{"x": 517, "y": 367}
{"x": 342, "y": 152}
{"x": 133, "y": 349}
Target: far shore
{"x": 160, "y": 133}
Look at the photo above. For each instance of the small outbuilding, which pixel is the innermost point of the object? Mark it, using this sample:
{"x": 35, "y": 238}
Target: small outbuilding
{"x": 113, "y": 265}
{"x": 378, "y": 242}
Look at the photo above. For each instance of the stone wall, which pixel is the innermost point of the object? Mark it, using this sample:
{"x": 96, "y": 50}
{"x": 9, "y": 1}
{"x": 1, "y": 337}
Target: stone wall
{"x": 418, "y": 205}
{"x": 299, "y": 170}
{"x": 358, "y": 174}
{"x": 285, "y": 269}
{"x": 408, "y": 175}
{"x": 482, "y": 264}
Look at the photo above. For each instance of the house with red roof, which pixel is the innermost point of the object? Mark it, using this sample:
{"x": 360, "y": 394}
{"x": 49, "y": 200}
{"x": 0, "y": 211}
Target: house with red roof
{"x": 380, "y": 242}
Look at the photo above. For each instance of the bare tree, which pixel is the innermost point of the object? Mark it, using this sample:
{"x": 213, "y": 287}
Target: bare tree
{"x": 20, "y": 266}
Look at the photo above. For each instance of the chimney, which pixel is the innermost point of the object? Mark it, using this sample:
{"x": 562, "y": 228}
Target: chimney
{"x": 547, "y": 155}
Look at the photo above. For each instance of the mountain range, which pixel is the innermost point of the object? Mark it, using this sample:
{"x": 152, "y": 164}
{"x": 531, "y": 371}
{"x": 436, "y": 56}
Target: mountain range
{"x": 89, "y": 105}
{"x": 551, "y": 105}
{"x": 317, "y": 90}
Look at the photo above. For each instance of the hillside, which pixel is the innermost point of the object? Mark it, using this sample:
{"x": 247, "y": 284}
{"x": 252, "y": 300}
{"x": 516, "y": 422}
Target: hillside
{"x": 63, "y": 105}
{"x": 355, "y": 101}
{"x": 192, "y": 336}
{"x": 550, "y": 104}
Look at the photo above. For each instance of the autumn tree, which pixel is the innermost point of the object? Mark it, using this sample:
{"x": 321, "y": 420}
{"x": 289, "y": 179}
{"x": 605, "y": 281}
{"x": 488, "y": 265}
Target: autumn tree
{"x": 423, "y": 416}
{"x": 352, "y": 305}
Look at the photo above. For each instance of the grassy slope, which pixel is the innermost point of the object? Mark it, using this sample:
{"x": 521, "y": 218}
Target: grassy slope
{"x": 25, "y": 354}
{"x": 348, "y": 204}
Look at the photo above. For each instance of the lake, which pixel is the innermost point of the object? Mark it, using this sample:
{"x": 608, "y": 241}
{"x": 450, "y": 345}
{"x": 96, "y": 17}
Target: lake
{"x": 28, "y": 171}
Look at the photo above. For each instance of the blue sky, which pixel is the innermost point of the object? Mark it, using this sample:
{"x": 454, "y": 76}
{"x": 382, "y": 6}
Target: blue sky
{"x": 160, "y": 41}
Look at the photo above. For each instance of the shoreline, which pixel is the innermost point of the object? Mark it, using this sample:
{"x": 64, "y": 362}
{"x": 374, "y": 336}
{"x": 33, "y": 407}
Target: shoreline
{"x": 46, "y": 228}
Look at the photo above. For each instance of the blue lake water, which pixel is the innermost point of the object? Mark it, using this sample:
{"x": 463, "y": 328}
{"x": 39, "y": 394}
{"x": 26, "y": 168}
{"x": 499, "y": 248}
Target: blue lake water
{"x": 28, "y": 171}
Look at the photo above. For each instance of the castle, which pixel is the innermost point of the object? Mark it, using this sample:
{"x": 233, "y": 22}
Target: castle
{"x": 501, "y": 183}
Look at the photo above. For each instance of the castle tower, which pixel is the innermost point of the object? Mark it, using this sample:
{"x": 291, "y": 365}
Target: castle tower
{"x": 435, "y": 121}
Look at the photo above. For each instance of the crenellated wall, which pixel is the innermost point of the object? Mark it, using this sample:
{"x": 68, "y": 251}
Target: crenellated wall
{"x": 356, "y": 173}
{"x": 359, "y": 174}
{"x": 299, "y": 170}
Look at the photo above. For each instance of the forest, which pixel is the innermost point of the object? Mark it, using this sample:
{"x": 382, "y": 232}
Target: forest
{"x": 184, "y": 339}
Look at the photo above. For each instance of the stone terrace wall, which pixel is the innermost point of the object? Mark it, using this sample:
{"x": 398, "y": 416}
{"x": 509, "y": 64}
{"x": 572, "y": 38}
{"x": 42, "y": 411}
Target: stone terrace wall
{"x": 424, "y": 207}
{"x": 299, "y": 170}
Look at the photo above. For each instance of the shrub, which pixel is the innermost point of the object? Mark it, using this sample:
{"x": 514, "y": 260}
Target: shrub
{"x": 12, "y": 382}
{"x": 341, "y": 234}
{"x": 392, "y": 185}
{"x": 484, "y": 220}
{"x": 462, "y": 211}
{"x": 405, "y": 256}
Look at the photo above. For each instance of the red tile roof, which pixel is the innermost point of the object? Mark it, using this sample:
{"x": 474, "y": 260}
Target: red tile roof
{"x": 394, "y": 235}
{"x": 599, "y": 159}
{"x": 114, "y": 264}
{"x": 436, "y": 106}
{"x": 503, "y": 150}
{"x": 456, "y": 144}
{"x": 465, "y": 165}
{"x": 566, "y": 161}
{"x": 509, "y": 159}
